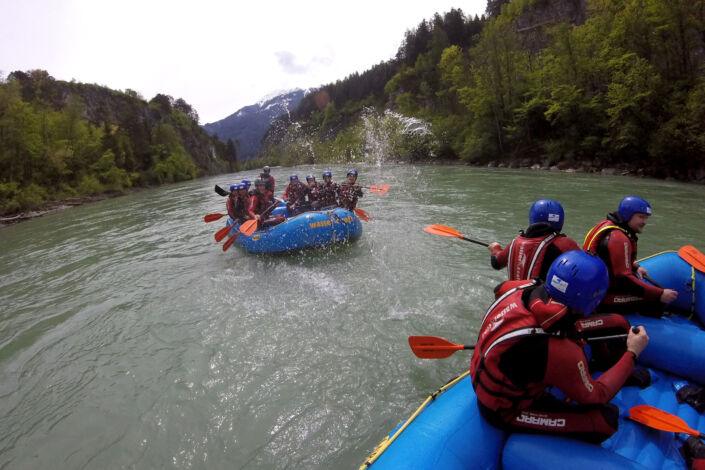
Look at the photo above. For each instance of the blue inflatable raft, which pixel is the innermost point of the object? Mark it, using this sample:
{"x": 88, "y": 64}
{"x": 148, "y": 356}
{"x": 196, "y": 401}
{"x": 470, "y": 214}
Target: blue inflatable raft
{"x": 314, "y": 229}
{"x": 447, "y": 431}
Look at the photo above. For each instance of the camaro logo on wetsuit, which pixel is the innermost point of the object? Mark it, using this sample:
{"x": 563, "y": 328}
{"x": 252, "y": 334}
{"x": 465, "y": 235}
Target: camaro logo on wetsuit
{"x": 591, "y": 323}
{"x": 584, "y": 376}
{"x": 496, "y": 321}
{"x": 541, "y": 420}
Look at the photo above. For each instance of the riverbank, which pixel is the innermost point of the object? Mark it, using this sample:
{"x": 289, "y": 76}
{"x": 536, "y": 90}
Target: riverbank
{"x": 55, "y": 206}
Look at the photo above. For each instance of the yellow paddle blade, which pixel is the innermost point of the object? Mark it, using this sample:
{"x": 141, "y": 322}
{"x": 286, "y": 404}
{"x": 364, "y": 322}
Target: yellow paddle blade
{"x": 694, "y": 257}
{"x": 442, "y": 230}
{"x": 659, "y": 419}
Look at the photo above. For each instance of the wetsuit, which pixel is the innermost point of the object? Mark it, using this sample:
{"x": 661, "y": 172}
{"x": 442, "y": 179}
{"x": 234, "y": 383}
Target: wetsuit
{"x": 531, "y": 253}
{"x": 314, "y": 195}
{"x": 348, "y": 195}
{"x": 295, "y": 195}
{"x": 268, "y": 181}
{"x": 328, "y": 194}
{"x": 518, "y": 356}
{"x": 262, "y": 205}
{"x": 616, "y": 244}
{"x": 237, "y": 208}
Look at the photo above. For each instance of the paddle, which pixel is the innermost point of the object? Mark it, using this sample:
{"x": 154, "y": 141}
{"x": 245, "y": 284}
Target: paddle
{"x": 445, "y": 231}
{"x": 230, "y": 241}
{"x": 250, "y": 227}
{"x": 378, "y": 188}
{"x": 222, "y": 233}
{"x": 435, "y": 347}
{"x": 661, "y": 420}
{"x": 362, "y": 214}
{"x": 213, "y": 217}
{"x": 694, "y": 257}
{"x": 221, "y": 191}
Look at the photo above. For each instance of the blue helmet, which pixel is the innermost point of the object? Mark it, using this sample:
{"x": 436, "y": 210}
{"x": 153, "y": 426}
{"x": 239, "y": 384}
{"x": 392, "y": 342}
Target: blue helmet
{"x": 246, "y": 183}
{"x": 327, "y": 174}
{"x": 549, "y": 211}
{"x": 310, "y": 178}
{"x": 631, "y": 205}
{"x": 352, "y": 172}
{"x": 293, "y": 178}
{"x": 234, "y": 187}
{"x": 579, "y": 280}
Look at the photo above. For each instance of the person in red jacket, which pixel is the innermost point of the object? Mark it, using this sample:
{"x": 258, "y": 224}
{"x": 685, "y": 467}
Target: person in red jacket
{"x": 328, "y": 194}
{"x": 531, "y": 253}
{"x": 237, "y": 203}
{"x": 295, "y": 195}
{"x": 350, "y": 191}
{"x": 267, "y": 178}
{"x": 314, "y": 192}
{"x": 519, "y": 354}
{"x": 615, "y": 241}
{"x": 262, "y": 202}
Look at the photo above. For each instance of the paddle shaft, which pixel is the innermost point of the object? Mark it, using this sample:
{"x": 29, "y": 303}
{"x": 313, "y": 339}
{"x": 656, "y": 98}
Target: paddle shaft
{"x": 473, "y": 241}
{"x": 472, "y": 346}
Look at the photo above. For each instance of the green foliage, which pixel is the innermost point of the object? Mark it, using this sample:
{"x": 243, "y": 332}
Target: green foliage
{"x": 51, "y": 137}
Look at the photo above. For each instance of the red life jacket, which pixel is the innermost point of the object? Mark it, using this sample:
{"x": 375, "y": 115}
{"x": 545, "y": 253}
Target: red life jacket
{"x": 506, "y": 321}
{"x": 599, "y": 232}
{"x": 526, "y": 256}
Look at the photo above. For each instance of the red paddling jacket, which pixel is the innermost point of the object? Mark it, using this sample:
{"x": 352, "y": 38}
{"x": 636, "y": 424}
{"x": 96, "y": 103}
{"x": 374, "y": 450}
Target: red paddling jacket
{"x": 518, "y": 356}
{"x": 615, "y": 243}
{"x": 530, "y": 254}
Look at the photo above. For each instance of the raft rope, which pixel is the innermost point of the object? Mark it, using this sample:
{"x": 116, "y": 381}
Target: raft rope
{"x": 387, "y": 441}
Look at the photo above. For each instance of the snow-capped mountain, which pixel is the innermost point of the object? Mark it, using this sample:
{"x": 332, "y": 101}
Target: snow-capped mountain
{"x": 249, "y": 124}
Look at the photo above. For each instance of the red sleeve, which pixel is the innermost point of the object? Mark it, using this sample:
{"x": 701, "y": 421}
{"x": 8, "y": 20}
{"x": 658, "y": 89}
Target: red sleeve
{"x": 564, "y": 244}
{"x": 285, "y": 196}
{"x": 567, "y": 369}
{"x": 620, "y": 249}
{"x": 230, "y": 208}
{"x": 252, "y": 207}
{"x": 500, "y": 258}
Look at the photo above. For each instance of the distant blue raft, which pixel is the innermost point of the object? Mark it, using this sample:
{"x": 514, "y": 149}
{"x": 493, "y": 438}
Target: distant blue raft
{"x": 315, "y": 229}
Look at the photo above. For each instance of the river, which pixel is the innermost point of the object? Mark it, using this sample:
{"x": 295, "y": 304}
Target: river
{"x": 128, "y": 339}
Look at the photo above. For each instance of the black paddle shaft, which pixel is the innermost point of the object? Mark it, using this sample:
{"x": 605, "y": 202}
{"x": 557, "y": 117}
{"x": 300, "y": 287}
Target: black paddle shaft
{"x": 474, "y": 241}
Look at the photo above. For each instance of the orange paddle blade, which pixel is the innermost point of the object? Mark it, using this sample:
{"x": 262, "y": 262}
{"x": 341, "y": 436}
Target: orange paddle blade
{"x": 228, "y": 243}
{"x": 248, "y": 228}
{"x": 362, "y": 214}
{"x": 442, "y": 230}
{"x": 212, "y": 217}
{"x": 222, "y": 233}
{"x": 433, "y": 347}
{"x": 694, "y": 257}
{"x": 380, "y": 188}
{"x": 661, "y": 420}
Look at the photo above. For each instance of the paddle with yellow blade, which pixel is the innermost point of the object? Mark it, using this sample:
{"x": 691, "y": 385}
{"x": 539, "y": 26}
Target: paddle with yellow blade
{"x": 663, "y": 421}
{"x": 435, "y": 347}
{"x": 445, "y": 231}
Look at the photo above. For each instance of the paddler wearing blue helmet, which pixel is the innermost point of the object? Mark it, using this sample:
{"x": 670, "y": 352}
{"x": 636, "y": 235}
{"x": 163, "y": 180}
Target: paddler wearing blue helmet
{"x": 350, "y": 191}
{"x": 528, "y": 343}
{"x": 531, "y": 253}
{"x": 614, "y": 240}
{"x": 328, "y": 195}
{"x": 237, "y": 203}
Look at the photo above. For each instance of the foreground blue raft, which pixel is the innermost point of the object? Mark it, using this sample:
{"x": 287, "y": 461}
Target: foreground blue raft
{"x": 314, "y": 229}
{"x": 448, "y": 432}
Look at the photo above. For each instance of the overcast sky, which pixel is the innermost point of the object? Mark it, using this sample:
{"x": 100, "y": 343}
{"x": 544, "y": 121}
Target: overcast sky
{"x": 217, "y": 55}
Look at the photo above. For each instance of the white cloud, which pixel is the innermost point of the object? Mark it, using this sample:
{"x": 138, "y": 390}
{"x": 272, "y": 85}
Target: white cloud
{"x": 218, "y": 55}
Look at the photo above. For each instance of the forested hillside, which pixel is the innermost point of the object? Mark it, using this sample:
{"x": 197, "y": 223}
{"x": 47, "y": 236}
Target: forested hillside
{"x": 60, "y": 140}
{"x": 602, "y": 83}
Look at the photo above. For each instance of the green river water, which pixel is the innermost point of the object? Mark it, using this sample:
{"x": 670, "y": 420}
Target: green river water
{"x": 128, "y": 339}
